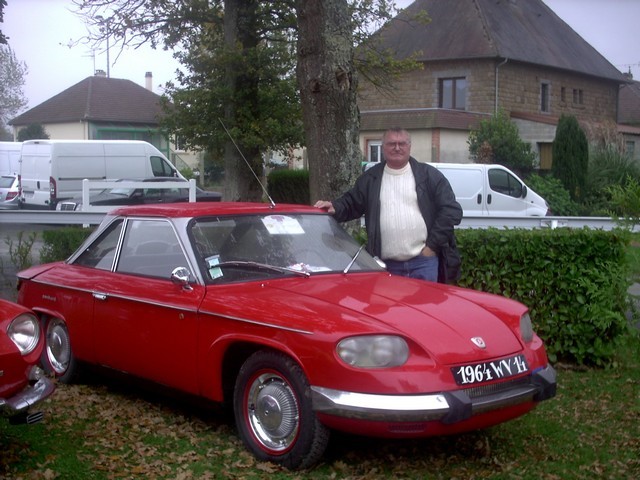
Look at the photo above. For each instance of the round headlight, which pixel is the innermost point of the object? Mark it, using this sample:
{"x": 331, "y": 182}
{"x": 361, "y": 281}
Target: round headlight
{"x": 373, "y": 351}
{"x": 24, "y": 331}
{"x": 526, "y": 330}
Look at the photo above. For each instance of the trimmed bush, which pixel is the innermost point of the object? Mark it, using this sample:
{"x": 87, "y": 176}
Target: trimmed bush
{"x": 574, "y": 282}
{"x": 289, "y": 186}
{"x": 59, "y": 244}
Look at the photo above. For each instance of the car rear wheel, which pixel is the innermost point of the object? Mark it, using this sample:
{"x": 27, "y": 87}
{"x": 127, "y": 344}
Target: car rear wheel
{"x": 57, "y": 356}
{"x": 273, "y": 411}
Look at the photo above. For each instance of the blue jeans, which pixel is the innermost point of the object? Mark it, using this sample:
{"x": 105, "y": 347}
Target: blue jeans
{"x": 421, "y": 267}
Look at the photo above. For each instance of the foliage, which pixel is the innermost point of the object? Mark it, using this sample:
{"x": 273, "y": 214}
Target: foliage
{"x": 573, "y": 281}
{"x": 12, "y": 79}
{"x": 289, "y": 186}
{"x": 497, "y": 140}
{"x": 607, "y": 167}
{"x": 117, "y": 428}
{"x": 20, "y": 251}
{"x": 59, "y": 244}
{"x": 3, "y": 38}
{"x": 34, "y": 131}
{"x": 570, "y": 156}
{"x": 625, "y": 200}
{"x": 552, "y": 190}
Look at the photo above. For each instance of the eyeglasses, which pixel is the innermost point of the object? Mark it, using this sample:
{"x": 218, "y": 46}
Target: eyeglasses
{"x": 399, "y": 145}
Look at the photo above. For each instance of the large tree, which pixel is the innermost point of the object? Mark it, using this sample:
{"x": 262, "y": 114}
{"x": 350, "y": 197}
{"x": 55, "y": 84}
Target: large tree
{"x": 570, "y": 156}
{"x": 12, "y": 73}
{"x": 239, "y": 59}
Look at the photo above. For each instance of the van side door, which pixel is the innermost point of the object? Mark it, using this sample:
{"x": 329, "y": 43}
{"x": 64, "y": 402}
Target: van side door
{"x": 505, "y": 193}
{"x": 468, "y": 184}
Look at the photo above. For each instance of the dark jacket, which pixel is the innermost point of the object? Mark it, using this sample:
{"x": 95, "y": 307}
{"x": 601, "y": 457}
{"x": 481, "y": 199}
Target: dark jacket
{"x": 437, "y": 203}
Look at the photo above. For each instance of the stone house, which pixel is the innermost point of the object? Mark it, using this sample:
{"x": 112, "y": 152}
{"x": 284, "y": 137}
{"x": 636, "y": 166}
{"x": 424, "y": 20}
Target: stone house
{"x": 479, "y": 56}
{"x": 102, "y": 108}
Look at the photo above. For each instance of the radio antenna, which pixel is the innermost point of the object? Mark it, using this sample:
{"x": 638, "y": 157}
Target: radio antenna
{"x": 273, "y": 204}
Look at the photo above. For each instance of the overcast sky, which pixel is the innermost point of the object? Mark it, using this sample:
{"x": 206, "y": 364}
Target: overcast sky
{"x": 40, "y": 32}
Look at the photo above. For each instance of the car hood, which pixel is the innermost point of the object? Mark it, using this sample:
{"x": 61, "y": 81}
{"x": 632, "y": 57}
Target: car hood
{"x": 441, "y": 319}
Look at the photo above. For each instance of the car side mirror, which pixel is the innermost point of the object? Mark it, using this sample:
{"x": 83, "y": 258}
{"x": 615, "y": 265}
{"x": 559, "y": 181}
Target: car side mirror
{"x": 180, "y": 276}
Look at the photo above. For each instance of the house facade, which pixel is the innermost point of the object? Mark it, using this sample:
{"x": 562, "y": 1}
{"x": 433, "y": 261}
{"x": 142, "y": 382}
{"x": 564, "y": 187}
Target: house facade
{"x": 478, "y": 57}
{"x": 102, "y": 108}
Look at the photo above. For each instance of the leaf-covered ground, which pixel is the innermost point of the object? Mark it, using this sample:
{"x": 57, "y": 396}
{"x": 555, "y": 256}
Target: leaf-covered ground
{"x": 116, "y": 429}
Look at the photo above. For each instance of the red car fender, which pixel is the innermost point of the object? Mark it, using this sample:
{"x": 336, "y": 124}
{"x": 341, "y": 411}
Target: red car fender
{"x": 214, "y": 359}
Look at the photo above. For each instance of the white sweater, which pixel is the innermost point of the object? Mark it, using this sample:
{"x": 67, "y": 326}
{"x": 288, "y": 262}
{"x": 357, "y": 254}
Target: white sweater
{"x": 402, "y": 228}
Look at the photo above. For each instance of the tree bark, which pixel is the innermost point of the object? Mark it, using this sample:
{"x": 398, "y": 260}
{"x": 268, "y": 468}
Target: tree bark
{"x": 327, "y": 80}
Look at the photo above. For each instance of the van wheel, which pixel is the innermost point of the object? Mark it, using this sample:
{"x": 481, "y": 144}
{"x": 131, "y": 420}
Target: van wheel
{"x": 57, "y": 356}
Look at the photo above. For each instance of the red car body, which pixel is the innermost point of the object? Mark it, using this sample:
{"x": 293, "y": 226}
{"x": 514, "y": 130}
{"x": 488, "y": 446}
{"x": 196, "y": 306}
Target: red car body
{"x": 22, "y": 382}
{"x": 275, "y": 309}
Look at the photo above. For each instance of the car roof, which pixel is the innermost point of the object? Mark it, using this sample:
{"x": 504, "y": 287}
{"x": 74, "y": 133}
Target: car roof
{"x": 195, "y": 209}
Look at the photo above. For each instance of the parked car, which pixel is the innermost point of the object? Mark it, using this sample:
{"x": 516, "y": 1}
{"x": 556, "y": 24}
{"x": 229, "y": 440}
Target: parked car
{"x": 276, "y": 310}
{"x": 9, "y": 192}
{"x": 141, "y": 196}
{"x": 22, "y": 382}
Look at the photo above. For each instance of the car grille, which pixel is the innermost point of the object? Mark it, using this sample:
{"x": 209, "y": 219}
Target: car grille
{"x": 484, "y": 390}
{"x": 67, "y": 206}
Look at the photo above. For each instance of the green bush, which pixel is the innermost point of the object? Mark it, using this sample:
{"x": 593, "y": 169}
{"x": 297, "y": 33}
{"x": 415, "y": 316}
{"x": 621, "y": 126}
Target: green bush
{"x": 552, "y": 190}
{"x": 289, "y": 186}
{"x": 59, "y": 244}
{"x": 574, "y": 282}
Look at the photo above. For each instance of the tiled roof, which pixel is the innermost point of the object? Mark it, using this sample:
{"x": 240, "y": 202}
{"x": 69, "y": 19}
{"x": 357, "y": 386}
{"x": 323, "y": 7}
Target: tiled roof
{"x": 97, "y": 99}
{"x": 520, "y": 30}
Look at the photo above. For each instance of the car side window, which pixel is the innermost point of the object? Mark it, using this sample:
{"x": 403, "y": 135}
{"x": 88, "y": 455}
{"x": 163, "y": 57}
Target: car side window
{"x": 101, "y": 253}
{"x": 150, "y": 248}
{"x": 505, "y": 183}
{"x": 160, "y": 167}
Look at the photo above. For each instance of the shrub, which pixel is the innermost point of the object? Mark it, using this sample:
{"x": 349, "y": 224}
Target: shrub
{"x": 289, "y": 186}
{"x": 61, "y": 243}
{"x": 574, "y": 282}
{"x": 571, "y": 156}
{"x": 555, "y": 194}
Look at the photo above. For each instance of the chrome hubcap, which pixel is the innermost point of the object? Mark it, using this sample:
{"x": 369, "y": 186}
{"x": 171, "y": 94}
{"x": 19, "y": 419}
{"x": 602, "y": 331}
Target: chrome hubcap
{"x": 58, "y": 346}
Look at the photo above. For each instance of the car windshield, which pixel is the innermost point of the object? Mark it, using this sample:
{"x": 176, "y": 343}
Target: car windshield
{"x": 242, "y": 247}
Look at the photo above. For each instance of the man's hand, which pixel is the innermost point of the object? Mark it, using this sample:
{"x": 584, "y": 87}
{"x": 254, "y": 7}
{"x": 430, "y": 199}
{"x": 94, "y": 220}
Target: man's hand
{"x": 326, "y": 205}
{"x": 427, "y": 252}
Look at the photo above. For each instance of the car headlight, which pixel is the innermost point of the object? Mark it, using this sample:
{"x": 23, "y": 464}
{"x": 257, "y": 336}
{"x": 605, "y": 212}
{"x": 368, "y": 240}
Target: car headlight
{"x": 24, "y": 331}
{"x": 373, "y": 351}
{"x": 526, "y": 330}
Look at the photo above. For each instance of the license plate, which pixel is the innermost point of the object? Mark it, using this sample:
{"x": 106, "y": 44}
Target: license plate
{"x": 488, "y": 371}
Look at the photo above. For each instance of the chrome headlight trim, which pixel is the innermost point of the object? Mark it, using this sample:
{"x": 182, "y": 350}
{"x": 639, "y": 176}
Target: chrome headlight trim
{"x": 24, "y": 332}
{"x": 373, "y": 351}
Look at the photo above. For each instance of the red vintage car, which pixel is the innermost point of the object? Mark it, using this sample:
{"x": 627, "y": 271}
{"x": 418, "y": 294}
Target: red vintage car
{"x": 22, "y": 382}
{"x": 276, "y": 310}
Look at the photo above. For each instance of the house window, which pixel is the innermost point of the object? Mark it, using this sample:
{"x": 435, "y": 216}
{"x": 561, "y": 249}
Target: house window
{"x": 453, "y": 93}
{"x": 630, "y": 148}
{"x": 577, "y": 96}
{"x": 544, "y": 97}
{"x": 374, "y": 153}
{"x": 563, "y": 94}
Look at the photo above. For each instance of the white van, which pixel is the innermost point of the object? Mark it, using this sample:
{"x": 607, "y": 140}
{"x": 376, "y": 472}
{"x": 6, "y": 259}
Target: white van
{"x": 10, "y": 158}
{"x": 491, "y": 190}
{"x": 53, "y": 170}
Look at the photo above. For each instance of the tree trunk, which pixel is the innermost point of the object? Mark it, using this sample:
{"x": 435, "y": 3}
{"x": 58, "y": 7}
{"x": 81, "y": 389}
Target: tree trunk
{"x": 240, "y": 32}
{"x": 327, "y": 80}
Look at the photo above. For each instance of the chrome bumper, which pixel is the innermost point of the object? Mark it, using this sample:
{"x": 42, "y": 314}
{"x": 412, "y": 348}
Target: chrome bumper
{"x": 17, "y": 407}
{"x": 447, "y": 407}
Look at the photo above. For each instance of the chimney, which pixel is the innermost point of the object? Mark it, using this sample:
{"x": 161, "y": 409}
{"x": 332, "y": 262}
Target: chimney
{"x": 148, "y": 81}
{"x": 100, "y": 73}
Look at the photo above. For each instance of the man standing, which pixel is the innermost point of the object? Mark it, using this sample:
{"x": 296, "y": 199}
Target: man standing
{"x": 410, "y": 211}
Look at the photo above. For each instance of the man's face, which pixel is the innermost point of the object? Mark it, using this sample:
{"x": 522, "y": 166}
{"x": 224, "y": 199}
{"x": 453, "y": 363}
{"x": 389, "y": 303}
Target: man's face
{"x": 396, "y": 148}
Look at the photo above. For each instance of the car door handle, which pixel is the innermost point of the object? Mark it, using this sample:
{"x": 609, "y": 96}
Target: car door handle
{"x": 100, "y": 296}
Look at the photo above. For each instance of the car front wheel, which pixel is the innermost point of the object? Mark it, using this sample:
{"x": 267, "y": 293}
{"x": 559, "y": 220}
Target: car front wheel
{"x": 273, "y": 411}
{"x": 57, "y": 356}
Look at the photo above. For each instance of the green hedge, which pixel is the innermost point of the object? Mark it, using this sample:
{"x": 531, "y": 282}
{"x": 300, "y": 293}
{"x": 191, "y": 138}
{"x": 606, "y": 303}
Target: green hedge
{"x": 289, "y": 186}
{"x": 574, "y": 282}
{"x": 59, "y": 244}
